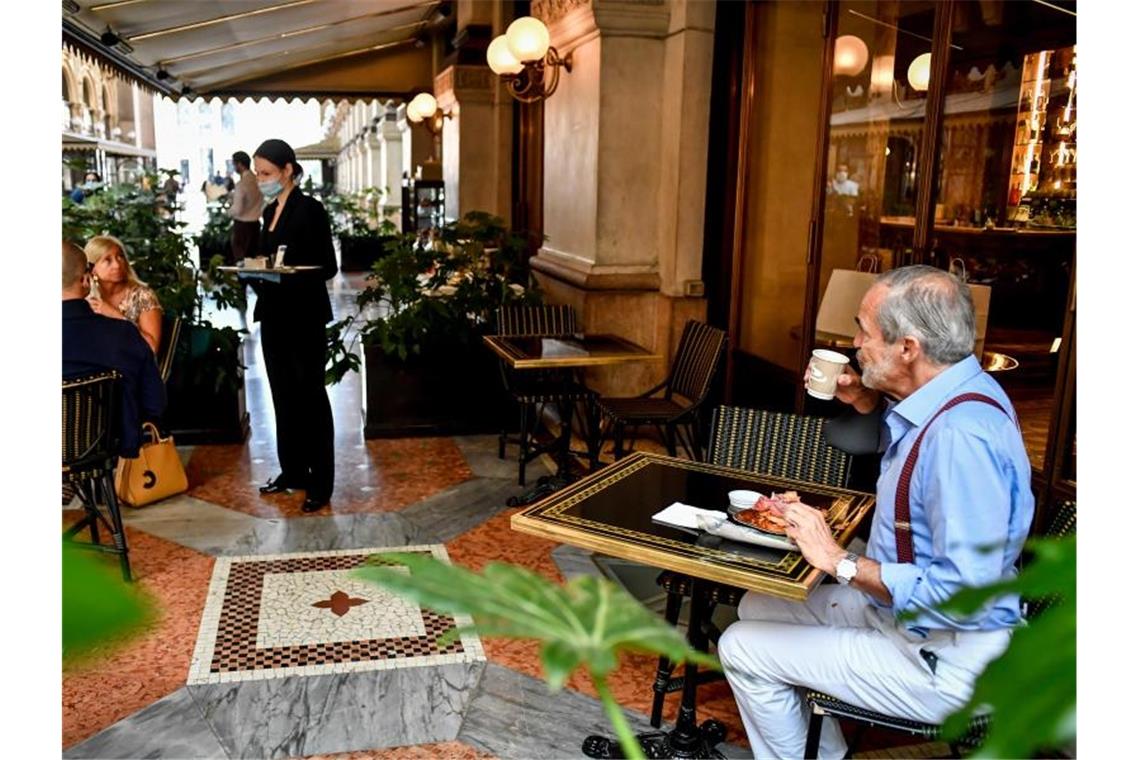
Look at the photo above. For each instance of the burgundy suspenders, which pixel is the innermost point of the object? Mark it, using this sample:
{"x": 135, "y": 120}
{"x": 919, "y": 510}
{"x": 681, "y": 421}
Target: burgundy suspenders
{"x": 903, "y": 541}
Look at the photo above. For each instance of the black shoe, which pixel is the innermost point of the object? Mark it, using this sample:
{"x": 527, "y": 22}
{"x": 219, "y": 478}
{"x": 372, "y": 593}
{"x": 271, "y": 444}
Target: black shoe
{"x": 313, "y": 505}
{"x": 277, "y": 485}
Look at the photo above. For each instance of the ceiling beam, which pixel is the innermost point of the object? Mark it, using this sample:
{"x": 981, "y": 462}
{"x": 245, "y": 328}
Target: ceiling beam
{"x": 305, "y": 30}
{"x": 217, "y": 20}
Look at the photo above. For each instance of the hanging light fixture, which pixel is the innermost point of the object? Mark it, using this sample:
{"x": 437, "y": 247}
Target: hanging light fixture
{"x": 850, "y": 56}
{"x": 918, "y": 73}
{"x": 521, "y": 58}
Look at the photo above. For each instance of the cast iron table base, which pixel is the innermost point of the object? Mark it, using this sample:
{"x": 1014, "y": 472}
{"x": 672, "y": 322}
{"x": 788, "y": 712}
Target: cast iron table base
{"x": 687, "y": 739}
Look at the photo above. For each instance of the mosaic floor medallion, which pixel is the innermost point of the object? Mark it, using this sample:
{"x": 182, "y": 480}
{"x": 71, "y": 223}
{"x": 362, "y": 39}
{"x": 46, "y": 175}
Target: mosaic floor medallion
{"x": 271, "y": 616}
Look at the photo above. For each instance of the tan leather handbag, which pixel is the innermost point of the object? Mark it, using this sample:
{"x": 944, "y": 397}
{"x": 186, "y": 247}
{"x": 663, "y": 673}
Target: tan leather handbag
{"x": 153, "y": 475}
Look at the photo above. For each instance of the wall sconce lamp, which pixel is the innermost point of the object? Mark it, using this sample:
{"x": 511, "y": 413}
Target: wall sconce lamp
{"x": 423, "y": 108}
{"x": 521, "y": 58}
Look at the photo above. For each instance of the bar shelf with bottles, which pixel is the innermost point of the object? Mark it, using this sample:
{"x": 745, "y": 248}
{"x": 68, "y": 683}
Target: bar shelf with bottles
{"x": 1043, "y": 174}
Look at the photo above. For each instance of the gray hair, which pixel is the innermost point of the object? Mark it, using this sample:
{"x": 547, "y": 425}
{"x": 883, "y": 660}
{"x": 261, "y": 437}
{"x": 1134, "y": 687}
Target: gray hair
{"x": 931, "y": 305}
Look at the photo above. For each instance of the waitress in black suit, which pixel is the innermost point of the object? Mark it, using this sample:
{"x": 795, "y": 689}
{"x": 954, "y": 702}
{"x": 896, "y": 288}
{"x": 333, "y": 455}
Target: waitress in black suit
{"x": 293, "y": 314}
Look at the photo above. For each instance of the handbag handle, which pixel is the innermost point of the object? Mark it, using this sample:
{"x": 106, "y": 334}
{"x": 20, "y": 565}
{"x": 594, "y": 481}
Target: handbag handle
{"x": 152, "y": 429}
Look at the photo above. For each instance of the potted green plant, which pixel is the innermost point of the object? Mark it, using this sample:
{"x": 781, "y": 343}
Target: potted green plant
{"x": 360, "y": 227}
{"x": 214, "y": 239}
{"x": 427, "y": 305}
{"x": 205, "y": 391}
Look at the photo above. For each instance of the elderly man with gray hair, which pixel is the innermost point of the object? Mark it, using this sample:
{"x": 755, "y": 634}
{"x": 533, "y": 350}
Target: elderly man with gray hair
{"x": 953, "y": 509}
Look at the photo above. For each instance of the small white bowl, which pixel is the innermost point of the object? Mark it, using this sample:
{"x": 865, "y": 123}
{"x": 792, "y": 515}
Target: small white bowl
{"x": 738, "y": 500}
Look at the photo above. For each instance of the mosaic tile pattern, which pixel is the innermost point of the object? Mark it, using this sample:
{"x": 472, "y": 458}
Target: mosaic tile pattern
{"x": 276, "y": 615}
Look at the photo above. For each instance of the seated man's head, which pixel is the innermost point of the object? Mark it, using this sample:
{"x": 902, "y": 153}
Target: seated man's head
{"x": 241, "y": 161}
{"x": 75, "y": 281}
{"x": 913, "y": 322}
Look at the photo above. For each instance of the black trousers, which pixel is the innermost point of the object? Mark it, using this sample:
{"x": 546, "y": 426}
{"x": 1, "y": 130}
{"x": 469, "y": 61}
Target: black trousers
{"x": 295, "y": 364}
{"x": 243, "y": 240}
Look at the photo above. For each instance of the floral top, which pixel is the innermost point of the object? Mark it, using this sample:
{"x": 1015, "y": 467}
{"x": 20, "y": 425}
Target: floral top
{"x": 137, "y": 300}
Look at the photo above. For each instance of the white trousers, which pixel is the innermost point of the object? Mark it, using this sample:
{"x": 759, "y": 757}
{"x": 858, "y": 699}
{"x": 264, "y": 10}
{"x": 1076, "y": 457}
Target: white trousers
{"x": 838, "y": 643}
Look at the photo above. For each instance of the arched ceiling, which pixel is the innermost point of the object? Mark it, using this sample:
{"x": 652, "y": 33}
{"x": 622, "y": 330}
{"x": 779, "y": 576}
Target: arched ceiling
{"x": 284, "y": 47}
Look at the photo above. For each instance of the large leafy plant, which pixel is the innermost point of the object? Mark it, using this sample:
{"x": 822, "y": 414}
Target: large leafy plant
{"x": 1031, "y": 689}
{"x": 585, "y": 623}
{"x": 444, "y": 291}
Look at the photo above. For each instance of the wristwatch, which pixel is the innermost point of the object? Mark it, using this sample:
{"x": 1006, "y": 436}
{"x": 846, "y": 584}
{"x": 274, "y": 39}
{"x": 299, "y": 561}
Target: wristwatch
{"x": 846, "y": 569}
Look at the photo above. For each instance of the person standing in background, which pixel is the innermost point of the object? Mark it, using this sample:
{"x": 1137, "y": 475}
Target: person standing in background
{"x": 245, "y": 209}
{"x": 293, "y": 314}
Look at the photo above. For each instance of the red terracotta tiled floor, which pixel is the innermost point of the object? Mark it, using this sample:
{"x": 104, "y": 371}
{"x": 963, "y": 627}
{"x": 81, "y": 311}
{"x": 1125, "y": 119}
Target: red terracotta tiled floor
{"x": 441, "y": 751}
{"x": 105, "y": 689}
{"x": 376, "y": 476}
{"x": 630, "y": 683}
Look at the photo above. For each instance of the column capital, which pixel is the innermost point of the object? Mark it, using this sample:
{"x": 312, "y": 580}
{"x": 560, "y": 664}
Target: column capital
{"x": 573, "y": 22}
{"x": 460, "y": 84}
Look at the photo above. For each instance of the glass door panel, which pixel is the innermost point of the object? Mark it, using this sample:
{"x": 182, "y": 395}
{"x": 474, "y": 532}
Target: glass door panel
{"x": 1005, "y": 193}
{"x": 780, "y": 187}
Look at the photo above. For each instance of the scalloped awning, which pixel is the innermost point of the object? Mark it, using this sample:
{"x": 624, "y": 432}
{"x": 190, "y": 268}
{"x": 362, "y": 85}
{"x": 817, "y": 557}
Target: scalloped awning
{"x": 254, "y": 48}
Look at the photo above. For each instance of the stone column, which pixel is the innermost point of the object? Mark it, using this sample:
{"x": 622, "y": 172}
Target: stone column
{"x": 392, "y": 163}
{"x": 625, "y": 151}
{"x": 476, "y": 141}
{"x": 374, "y": 153}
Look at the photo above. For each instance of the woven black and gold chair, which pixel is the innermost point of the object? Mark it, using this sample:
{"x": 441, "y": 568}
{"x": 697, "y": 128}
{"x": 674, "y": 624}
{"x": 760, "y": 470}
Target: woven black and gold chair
{"x": 90, "y": 445}
{"x": 767, "y": 443}
{"x": 532, "y": 390}
{"x": 1064, "y": 523}
{"x": 690, "y": 378}
{"x": 168, "y": 346}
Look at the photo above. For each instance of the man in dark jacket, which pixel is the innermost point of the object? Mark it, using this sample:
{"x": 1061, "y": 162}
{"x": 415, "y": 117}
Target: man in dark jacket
{"x": 93, "y": 343}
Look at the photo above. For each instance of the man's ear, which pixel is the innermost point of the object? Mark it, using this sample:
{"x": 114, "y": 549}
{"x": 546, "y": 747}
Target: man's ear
{"x": 910, "y": 349}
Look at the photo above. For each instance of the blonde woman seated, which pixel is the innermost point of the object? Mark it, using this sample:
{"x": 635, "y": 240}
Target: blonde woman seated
{"x": 117, "y": 292}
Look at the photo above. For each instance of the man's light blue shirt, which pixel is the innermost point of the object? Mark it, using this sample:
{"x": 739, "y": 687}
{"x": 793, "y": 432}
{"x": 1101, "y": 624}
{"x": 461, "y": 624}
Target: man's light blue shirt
{"x": 970, "y": 500}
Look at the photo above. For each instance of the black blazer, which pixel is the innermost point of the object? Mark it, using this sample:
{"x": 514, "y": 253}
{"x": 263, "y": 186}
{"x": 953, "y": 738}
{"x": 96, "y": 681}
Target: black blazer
{"x": 299, "y": 298}
{"x": 92, "y": 343}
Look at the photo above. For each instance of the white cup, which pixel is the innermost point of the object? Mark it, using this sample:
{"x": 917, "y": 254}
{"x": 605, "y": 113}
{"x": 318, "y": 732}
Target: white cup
{"x": 824, "y": 370}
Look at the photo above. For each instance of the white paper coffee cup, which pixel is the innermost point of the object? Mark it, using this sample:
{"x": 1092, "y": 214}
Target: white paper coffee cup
{"x": 824, "y": 370}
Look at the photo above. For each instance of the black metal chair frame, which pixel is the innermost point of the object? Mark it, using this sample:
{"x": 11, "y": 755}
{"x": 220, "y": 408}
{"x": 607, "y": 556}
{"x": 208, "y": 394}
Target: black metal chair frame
{"x": 90, "y": 445}
{"x": 722, "y": 450}
{"x": 532, "y": 390}
{"x": 822, "y": 705}
{"x": 685, "y": 424}
{"x": 168, "y": 346}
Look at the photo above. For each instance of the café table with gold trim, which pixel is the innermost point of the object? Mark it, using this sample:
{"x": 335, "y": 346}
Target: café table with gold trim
{"x": 571, "y": 353}
{"x": 611, "y": 511}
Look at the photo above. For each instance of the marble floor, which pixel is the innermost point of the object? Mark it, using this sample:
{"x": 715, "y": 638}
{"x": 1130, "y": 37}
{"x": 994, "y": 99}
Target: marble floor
{"x": 266, "y": 646}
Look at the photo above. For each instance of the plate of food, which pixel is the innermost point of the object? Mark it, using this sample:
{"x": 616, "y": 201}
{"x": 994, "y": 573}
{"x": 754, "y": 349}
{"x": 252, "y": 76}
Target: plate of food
{"x": 767, "y": 515}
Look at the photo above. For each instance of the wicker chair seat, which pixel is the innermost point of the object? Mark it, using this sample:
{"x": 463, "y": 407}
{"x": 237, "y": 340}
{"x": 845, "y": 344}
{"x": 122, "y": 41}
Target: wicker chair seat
{"x": 830, "y": 705}
{"x": 641, "y": 410}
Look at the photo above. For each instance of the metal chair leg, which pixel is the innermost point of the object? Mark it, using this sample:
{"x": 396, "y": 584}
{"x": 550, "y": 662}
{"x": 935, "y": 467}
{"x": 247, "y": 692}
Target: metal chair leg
{"x": 619, "y": 431}
{"x": 815, "y": 726}
{"x": 665, "y": 666}
{"x": 118, "y": 535}
{"x": 671, "y": 439}
{"x": 524, "y": 441}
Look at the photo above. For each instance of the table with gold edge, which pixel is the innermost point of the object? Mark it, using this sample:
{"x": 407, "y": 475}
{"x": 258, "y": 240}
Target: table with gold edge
{"x": 779, "y": 573}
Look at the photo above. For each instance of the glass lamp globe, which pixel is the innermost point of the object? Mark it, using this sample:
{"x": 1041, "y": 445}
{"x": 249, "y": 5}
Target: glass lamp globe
{"x": 918, "y": 74}
{"x": 528, "y": 39}
{"x": 423, "y": 106}
{"x": 850, "y": 55}
{"x": 500, "y": 59}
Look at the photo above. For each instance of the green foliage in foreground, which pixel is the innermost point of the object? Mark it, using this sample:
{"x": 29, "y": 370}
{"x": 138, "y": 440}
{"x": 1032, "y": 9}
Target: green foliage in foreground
{"x": 1031, "y": 689}
{"x": 98, "y": 606}
{"x": 584, "y": 623}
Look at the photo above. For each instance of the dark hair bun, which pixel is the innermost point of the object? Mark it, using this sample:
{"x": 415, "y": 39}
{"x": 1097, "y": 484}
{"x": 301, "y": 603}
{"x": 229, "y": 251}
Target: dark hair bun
{"x": 279, "y": 153}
